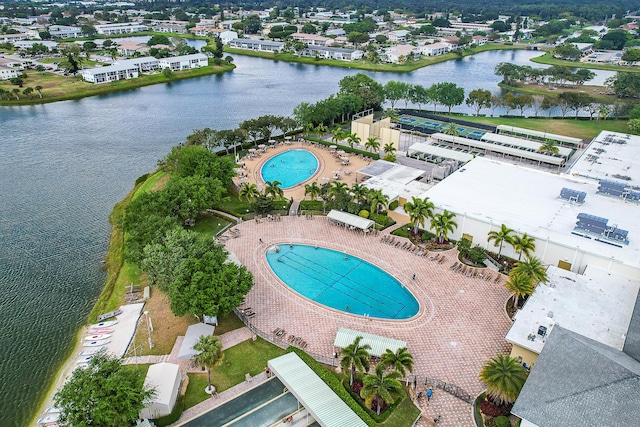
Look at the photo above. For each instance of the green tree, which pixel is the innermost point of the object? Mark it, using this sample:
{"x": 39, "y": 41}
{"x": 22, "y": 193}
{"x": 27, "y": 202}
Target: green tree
{"x": 479, "y": 99}
{"x": 104, "y": 394}
{"x": 449, "y": 94}
{"x": 372, "y": 144}
{"x": 524, "y": 244}
{"x": 419, "y": 210}
{"x": 159, "y": 39}
{"x": 443, "y": 224}
{"x": 395, "y": 91}
{"x": 272, "y": 190}
{"x": 377, "y": 200}
{"x": 419, "y": 95}
{"x": 357, "y": 38}
{"x": 452, "y": 129}
{"x": 355, "y": 356}
{"x": 389, "y": 148}
{"x": 28, "y": 91}
{"x": 626, "y": 85}
{"x": 353, "y": 139}
{"x": 577, "y": 101}
{"x": 504, "y": 377}
{"x": 358, "y": 193}
{"x": 520, "y": 285}
{"x": 71, "y": 52}
{"x": 381, "y": 386}
{"x": 401, "y": 360}
{"x": 567, "y": 51}
{"x": 499, "y": 237}
{"x": 364, "y": 87}
{"x": 252, "y": 24}
{"x": 549, "y": 147}
{"x": 634, "y": 125}
{"x": 312, "y": 190}
{"x": 210, "y": 354}
{"x": 532, "y": 267}
{"x": 631, "y": 55}
{"x": 249, "y": 192}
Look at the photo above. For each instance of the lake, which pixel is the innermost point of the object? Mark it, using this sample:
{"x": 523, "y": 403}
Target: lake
{"x": 64, "y": 165}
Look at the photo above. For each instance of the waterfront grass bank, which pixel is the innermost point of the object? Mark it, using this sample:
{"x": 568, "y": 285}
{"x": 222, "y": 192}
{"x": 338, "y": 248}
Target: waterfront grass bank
{"x": 63, "y": 88}
{"x": 548, "y": 59}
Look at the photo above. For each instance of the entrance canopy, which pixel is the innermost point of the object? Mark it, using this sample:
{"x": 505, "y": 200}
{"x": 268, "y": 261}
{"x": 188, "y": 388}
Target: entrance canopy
{"x": 351, "y": 220}
{"x": 315, "y": 395}
{"x": 194, "y": 332}
{"x": 379, "y": 345}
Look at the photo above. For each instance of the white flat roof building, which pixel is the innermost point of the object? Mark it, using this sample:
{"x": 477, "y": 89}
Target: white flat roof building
{"x": 487, "y": 193}
{"x": 596, "y": 305}
{"x": 396, "y": 181}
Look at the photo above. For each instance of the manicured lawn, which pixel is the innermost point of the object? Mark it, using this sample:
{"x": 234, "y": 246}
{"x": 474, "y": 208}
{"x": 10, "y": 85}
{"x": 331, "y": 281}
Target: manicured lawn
{"x": 209, "y": 225}
{"x": 548, "y": 58}
{"x": 403, "y": 415}
{"x": 150, "y": 184}
{"x": 247, "y": 357}
{"x": 585, "y": 129}
{"x": 235, "y": 206}
{"x": 230, "y": 322}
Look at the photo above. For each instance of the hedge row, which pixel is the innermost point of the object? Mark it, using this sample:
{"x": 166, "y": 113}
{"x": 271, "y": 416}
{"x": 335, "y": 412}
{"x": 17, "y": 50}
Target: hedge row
{"x": 334, "y": 384}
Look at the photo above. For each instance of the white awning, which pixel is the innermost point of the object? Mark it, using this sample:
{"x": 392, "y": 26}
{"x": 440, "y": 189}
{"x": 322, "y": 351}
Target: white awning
{"x": 194, "y": 332}
{"x": 445, "y": 153}
{"x": 350, "y": 219}
{"x": 526, "y": 144}
{"x": 538, "y": 134}
{"x": 315, "y": 395}
{"x": 379, "y": 345}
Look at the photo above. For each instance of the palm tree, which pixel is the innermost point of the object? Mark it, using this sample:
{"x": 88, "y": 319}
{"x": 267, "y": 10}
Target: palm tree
{"x": 401, "y": 360}
{"x": 312, "y": 190}
{"x": 39, "y": 89}
{"x": 391, "y": 114}
{"x": 549, "y": 147}
{"x": 452, "y": 130}
{"x": 372, "y": 144}
{"x": 389, "y": 148}
{"x": 533, "y": 268}
{"x": 443, "y": 224}
{"x": 272, "y": 189}
{"x": 358, "y": 193}
{"x": 419, "y": 210}
{"x": 321, "y": 129}
{"x": 504, "y": 377}
{"x": 523, "y": 245}
{"x": 210, "y": 355}
{"x": 520, "y": 285}
{"x": 249, "y": 192}
{"x": 16, "y": 93}
{"x": 500, "y": 237}
{"x": 338, "y": 135}
{"x": 28, "y": 92}
{"x": 377, "y": 199}
{"x": 337, "y": 188}
{"x": 353, "y": 139}
{"x": 381, "y": 386}
{"x": 355, "y": 356}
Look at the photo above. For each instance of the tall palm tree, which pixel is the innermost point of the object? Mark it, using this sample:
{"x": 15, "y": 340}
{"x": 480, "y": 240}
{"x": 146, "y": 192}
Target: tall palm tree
{"x": 312, "y": 190}
{"x": 381, "y": 386}
{"x": 549, "y": 147}
{"x": 337, "y": 188}
{"x": 504, "y": 378}
{"x": 272, "y": 189}
{"x": 355, "y": 356}
{"x": 533, "y": 268}
{"x": 389, "y": 148}
{"x": 321, "y": 129}
{"x": 372, "y": 144}
{"x": 39, "y": 89}
{"x": 353, "y": 139}
{"x": 401, "y": 360}
{"x": 377, "y": 200}
{"x": 500, "y": 237}
{"x": 443, "y": 224}
{"x": 520, "y": 285}
{"x": 419, "y": 210}
{"x": 524, "y": 244}
{"x": 338, "y": 135}
{"x": 452, "y": 130}
{"x": 210, "y": 355}
{"x": 249, "y": 192}
{"x": 391, "y": 114}
{"x": 358, "y": 193}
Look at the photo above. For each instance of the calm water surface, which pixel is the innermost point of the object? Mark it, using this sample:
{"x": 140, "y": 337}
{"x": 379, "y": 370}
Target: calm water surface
{"x": 64, "y": 165}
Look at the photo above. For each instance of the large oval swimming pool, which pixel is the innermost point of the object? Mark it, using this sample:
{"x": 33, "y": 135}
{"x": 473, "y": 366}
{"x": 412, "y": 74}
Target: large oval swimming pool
{"x": 290, "y": 167}
{"x": 342, "y": 282}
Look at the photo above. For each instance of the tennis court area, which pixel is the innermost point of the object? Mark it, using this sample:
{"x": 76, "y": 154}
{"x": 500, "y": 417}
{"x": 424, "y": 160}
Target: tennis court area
{"x": 435, "y": 125}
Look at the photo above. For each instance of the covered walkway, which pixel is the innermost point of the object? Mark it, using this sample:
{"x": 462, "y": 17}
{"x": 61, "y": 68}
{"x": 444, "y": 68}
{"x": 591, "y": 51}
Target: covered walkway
{"x": 314, "y": 394}
{"x": 378, "y": 344}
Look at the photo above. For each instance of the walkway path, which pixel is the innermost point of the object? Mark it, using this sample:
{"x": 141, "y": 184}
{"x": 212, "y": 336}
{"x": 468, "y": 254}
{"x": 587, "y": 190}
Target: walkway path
{"x": 293, "y": 210}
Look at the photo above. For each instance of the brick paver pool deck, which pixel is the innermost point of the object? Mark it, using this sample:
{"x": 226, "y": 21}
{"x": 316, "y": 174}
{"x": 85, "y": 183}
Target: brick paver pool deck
{"x": 461, "y": 322}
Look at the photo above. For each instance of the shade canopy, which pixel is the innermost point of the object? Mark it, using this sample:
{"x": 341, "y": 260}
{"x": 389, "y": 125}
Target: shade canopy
{"x": 350, "y": 219}
{"x": 378, "y": 344}
{"x": 194, "y": 332}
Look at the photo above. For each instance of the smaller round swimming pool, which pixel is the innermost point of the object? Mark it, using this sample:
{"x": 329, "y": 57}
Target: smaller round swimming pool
{"x": 290, "y": 167}
{"x": 342, "y": 282}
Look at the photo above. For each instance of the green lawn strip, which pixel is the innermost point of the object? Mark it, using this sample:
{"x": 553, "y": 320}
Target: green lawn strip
{"x": 149, "y": 182}
{"x": 248, "y": 357}
{"x": 228, "y": 323}
{"x": 368, "y": 66}
{"x": 585, "y": 129}
{"x": 234, "y": 205}
{"x": 548, "y": 59}
{"x": 209, "y": 225}
{"x": 66, "y": 88}
{"x": 404, "y": 414}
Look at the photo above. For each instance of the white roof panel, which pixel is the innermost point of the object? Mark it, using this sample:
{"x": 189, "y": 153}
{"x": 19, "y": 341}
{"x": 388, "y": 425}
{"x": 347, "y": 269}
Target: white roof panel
{"x": 194, "y": 332}
{"x": 527, "y": 144}
{"x": 165, "y": 378}
{"x": 440, "y": 152}
{"x": 350, "y": 219}
{"x": 545, "y": 135}
{"x": 379, "y": 344}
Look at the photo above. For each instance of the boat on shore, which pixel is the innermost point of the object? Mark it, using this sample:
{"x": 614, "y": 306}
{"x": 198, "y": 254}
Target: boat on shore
{"x": 103, "y": 324}
{"x": 96, "y": 343}
{"x": 101, "y": 331}
{"x": 84, "y": 359}
{"x": 51, "y": 418}
{"x": 52, "y": 410}
{"x": 92, "y": 351}
{"x": 97, "y": 337}
{"x": 109, "y": 315}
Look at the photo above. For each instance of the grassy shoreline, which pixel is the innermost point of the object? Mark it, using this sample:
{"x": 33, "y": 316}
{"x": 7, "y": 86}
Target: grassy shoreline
{"x": 548, "y": 59}
{"x": 367, "y": 66}
{"x": 60, "y": 88}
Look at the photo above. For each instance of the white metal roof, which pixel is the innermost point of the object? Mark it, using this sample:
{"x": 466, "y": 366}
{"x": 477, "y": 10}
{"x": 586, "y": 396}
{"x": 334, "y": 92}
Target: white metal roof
{"x": 526, "y": 144}
{"x": 595, "y": 304}
{"x": 394, "y": 190}
{"x": 545, "y": 135}
{"x": 194, "y": 332}
{"x": 440, "y": 152}
{"x": 392, "y": 171}
{"x": 315, "y": 395}
{"x": 350, "y": 219}
{"x": 111, "y": 68}
{"x": 379, "y": 344}
{"x": 165, "y": 378}
{"x": 501, "y": 149}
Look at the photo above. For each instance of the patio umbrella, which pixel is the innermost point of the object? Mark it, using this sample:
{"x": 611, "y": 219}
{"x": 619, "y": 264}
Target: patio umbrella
{"x": 261, "y": 146}
{"x": 340, "y": 151}
{"x": 333, "y": 147}
{"x": 252, "y": 150}
{"x": 346, "y": 159}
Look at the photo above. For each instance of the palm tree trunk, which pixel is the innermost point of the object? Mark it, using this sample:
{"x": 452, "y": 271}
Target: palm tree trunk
{"x": 209, "y": 377}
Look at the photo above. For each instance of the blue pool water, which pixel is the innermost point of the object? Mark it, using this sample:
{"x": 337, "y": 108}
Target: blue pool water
{"x": 290, "y": 167}
{"x": 342, "y": 282}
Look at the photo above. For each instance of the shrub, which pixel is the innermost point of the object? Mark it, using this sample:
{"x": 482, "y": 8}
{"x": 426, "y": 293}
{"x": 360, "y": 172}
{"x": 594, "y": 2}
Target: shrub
{"x": 477, "y": 254}
{"x": 393, "y": 205}
{"x": 364, "y": 213}
{"x": 464, "y": 245}
{"x": 502, "y": 421}
{"x": 142, "y": 179}
{"x": 491, "y": 409}
{"x": 381, "y": 219}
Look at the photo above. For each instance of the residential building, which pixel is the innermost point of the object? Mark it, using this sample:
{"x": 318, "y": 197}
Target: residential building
{"x": 184, "y": 62}
{"x": 336, "y": 32}
{"x": 202, "y": 31}
{"x": 12, "y": 38}
{"x": 64, "y": 31}
{"x": 313, "y": 39}
{"x": 130, "y": 48}
{"x": 434, "y": 49}
{"x": 480, "y": 40}
{"x": 398, "y": 36}
{"x": 332, "y": 53}
{"x": 110, "y": 73}
{"x": 399, "y": 53}
{"x": 171, "y": 27}
{"x": 7, "y": 73}
{"x": 228, "y": 25}
{"x": 258, "y": 45}
{"x": 123, "y": 28}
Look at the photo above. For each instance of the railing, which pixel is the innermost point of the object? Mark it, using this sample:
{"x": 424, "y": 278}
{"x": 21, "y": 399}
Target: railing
{"x": 450, "y": 388}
